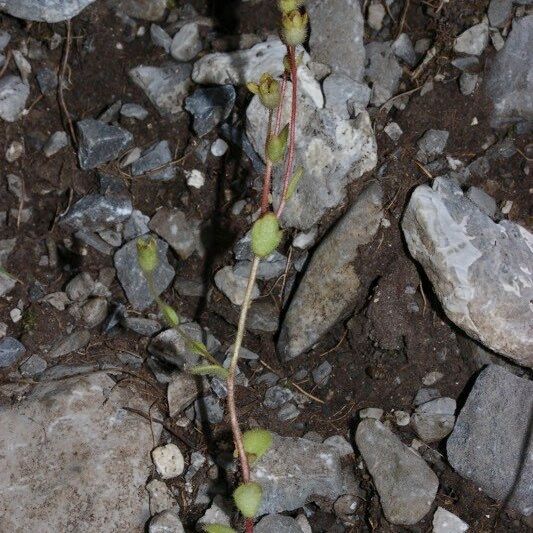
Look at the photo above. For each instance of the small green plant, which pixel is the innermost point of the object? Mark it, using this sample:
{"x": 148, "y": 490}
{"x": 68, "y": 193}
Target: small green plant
{"x": 266, "y": 237}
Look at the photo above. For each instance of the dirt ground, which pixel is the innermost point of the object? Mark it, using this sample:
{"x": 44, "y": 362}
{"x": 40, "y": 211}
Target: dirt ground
{"x": 369, "y": 370}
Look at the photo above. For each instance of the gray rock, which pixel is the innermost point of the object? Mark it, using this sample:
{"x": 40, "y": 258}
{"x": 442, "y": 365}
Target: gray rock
{"x": 142, "y": 326}
{"x": 94, "y": 312}
{"x": 405, "y": 483}
{"x": 55, "y": 142}
{"x": 166, "y": 86}
{"x": 344, "y": 96}
{"x": 509, "y": 82}
{"x": 111, "y": 113}
{"x": 288, "y": 412}
{"x": 88, "y": 433}
{"x": 337, "y": 30}
{"x": 13, "y": 95}
{"x": 499, "y": 12}
{"x": 165, "y": 522}
{"x": 431, "y": 145}
{"x": 473, "y": 41}
{"x": 295, "y": 472}
{"x": 5, "y": 38}
{"x": 485, "y": 202}
{"x": 80, "y": 287}
{"x": 403, "y": 49}
{"x": 218, "y": 513}
{"x": 93, "y": 240}
{"x": 44, "y": 10}
{"x": 135, "y": 111}
{"x": 491, "y": 442}
{"x": 332, "y": 151}
{"x": 136, "y": 225}
{"x": 190, "y": 287}
{"x": 219, "y": 148}
{"x": 182, "y": 390}
{"x": 132, "y": 279}
{"x": 151, "y": 10}
{"x": 10, "y": 350}
{"x": 393, "y": 130}
{"x": 7, "y": 283}
{"x": 383, "y": 71}
{"x": 277, "y": 396}
{"x": 152, "y": 159}
{"x": 341, "y": 444}
{"x": 96, "y": 212}
{"x": 330, "y": 286}
{"x": 161, "y": 497}
{"x": 210, "y": 106}
{"x": 479, "y": 270}
{"x": 234, "y": 285}
{"x": 100, "y": 143}
{"x": 278, "y": 523}
{"x": 160, "y": 37}
{"x": 446, "y": 522}
{"x": 468, "y": 83}
{"x": 33, "y": 366}
{"x": 6, "y": 247}
{"x": 209, "y": 409}
{"x": 270, "y": 267}
{"x": 321, "y": 374}
{"x": 434, "y": 420}
{"x": 70, "y": 343}
{"x": 263, "y": 317}
{"x": 47, "y": 80}
{"x": 425, "y": 395}
{"x": 186, "y": 44}
{"x": 182, "y": 233}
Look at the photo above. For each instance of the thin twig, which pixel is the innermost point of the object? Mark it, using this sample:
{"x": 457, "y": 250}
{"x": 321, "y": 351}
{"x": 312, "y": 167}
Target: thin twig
{"x": 61, "y": 96}
{"x": 404, "y": 16}
{"x": 397, "y": 96}
{"x": 336, "y": 346}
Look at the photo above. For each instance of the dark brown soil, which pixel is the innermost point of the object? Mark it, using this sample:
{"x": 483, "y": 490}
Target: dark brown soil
{"x": 380, "y": 354}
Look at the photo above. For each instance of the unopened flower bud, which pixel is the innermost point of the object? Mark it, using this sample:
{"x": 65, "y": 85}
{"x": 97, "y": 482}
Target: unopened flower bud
{"x": 170, "y": 315}
{"x": 286, "y": 6}
{"x": 147, "y": 254}
{"x": 294, "y": 27}
{"x": 266, "y": 235}
{"x": 268, "y": 90}
{"x": 277, "y": 146}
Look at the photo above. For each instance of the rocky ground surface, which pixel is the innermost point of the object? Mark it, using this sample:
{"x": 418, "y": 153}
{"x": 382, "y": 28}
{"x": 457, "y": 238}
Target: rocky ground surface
{"x": 390, "y": 341}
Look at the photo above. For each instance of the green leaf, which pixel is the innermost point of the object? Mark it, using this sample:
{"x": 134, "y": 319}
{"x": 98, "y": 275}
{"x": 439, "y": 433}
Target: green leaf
{"x": 198, "y": 347}
{"x": 297, "y": 176}
{"x": 248, "y": 498}
{"x": 218, "y": 528}
{"x": 169, "y": 314}
{"x": 257, "y": 442}
{"x": 209, "y": 370}
{"x": 266, "y": 235}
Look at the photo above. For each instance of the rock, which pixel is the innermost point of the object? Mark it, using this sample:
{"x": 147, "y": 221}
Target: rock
{"x": 94, "y": 312}
{"x": 161, "y": 498}
{"x": 288, "y": 412}
{"x": 168, "y": 461}
{"x": 14, "y": 152}
{"x": 182, "y": 391}
{"x": 431, "y": 145}
{"x": 166, "y": 86}
{"x": 431, "y": 378}
{"x": 330, "y": 286}
{"x": 263, "y": 317}
{"x": 425, "y": 395}
{"x": 499, "y": 12}
{"x": 337, "y": 30}
{"x": 80, "y": 287}
{"x": 143, "y": 326}
{"x": 218, "y": 513}
{"x": 491, "y": 442}
{"x": 393, "y": 130}
{"x": 435, "y": 419}
{"x": 375, "y": 15}
{"x": 483, "y": 201}
{"x": 100, "y": 143}
{"x": 468, "y": 83}
{"x": 165, "y": 522}
{"x": 10, "y": 351}
{"x": 405, "y": 483}
{"x": 151, "y": 10}
{"x": 136, "y": 225}
{"x": 321, "y": 373}
{"x": 234, "y": 285}
{"x": 44, "y": 10}
{"x": 371, "y": 412}
{"x": 345, "y": 97}
{"x": 160, "y": 37}
{"x": 332, "y": 151}
{"x": 402, "y": 418}
{"x": 33, "y": 366}
{"x": 509, "y": 83}
{"x": 341, "y": 444}
{"x": 473, "y": 41}
{"x": 383, "y": 71}
{"x": 55, "y": 143}
{"x": 182, "y": 233}
{"x": 219, "y": 147}
{"x": 186, "y": 44}
{"x": 478, "y": 269}
{"x": 210, "y": 106}
{"x": 277, "y": 396}
{"x": 132, "y": 279}
{"x": 403, "y": 49}
{"x": 13, "y": 95}
{"x": 446, "y": 522}
{"x": 152, "y": 159}
{"x": 136, "y": 111}
{"x": 278, "y": 523}
{"x": 75, "y": 434}
{"x": 208, "y": 409}
{"x": 70, "y": 343}
{"x": 295, "y": 471}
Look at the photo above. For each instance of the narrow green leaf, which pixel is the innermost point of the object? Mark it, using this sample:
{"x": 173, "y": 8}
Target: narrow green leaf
{"x": 297, "y": 176}
{"x": 248, "y": 498}
{"x": 218, "y": 528}
{"x": 198, "y": 347}
{"x": 209, "y": 370}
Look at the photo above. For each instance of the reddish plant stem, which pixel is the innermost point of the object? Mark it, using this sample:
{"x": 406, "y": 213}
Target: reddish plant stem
{"x": 292, "y": 129}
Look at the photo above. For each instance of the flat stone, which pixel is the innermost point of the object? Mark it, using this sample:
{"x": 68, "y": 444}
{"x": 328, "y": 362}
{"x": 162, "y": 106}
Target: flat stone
{"x": 431, "y": 145}
{"x": 446, "y": 522}
{"x": 131, "y": 276}
{"x": 344, "y": 96}
{"x": 295, "y": 471}
{"x": 57, "y": 141}
{"x": 10, "y": 351}
{"x": 468, "y": 83}
{"x": 70, "y": 343}
{"x": 161, "y": 497}
{"x": 263, "y": 317}
{"x": 330, "y": 286}
{"x": 136, "y": 225}
{"x": 479, "y": 270}
{"x": 100, "y": 143}
{"x": 473, "y": 41}
{"x": 332, "y": 151}
{"x": 13, "y": 95}
{"x": 143, "y": 326}
{"x": 337, "y": 30}
{"x": 75, "y": 434}
{"x": 434, "y": 420}
{"x": 165, "y": 86}
{"x": 94, "y": 312}
{"x": 44, "y": 10}
{"x": 405, "y": 483}
{"x": 210, "y": 106}
{"x": 136, "y": 111}
{"x": 168, "y": 461}
{"x": 186, "y": 44}
{"x": 152, "y": 159}
{"x": 321, "y": 374}
{"x": 277, "y": 396}
{"x": 234, "y": 285}
{"x": 160, "y": 37}
{"x": 383, "y": 71}
{"x": 33, "y": 366}
{"x": 490, "y": 444}
{"x": 209, "y": 409}
{"x": 165, "y": 522}
{"x": 403, "y": 49}
{"x": 278, "y": 523}
{"x": 182, "y": 390}
{"x": 485, "y": 202}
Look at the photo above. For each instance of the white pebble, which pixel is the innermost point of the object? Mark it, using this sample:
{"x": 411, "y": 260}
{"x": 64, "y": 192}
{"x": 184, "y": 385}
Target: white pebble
{"x": 168, "y": 461}
{"x": 195, "y": 178}
{"x": 305, "y": 240}
{"x": 507, "y": 206}
{"x": 15, "y": 314}
{"x": 446, "y": 522}
{"x": 431, "y": 378}
{"x": 219, "y": 148}
{"x": 15, "y": 150}
{"x": 402, "y": 418}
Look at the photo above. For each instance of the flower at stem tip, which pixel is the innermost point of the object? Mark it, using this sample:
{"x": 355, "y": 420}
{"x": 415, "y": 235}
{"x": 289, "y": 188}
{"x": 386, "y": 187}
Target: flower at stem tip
{"x": 294, "y": 26}
{"x": 147, "y": 255}
{"x": 268, "y": 89}
{"x": 286, "y": 6}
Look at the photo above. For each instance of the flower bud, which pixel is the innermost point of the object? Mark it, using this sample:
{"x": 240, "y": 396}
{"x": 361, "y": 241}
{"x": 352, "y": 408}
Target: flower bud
{"x": 268, "y": 90}
{"x": 294, "y": 28}
{"x": 277, "y": 146}
{"x": 286, "y": 6}
{"x": 247, "y": 498}
{"x": 147, "y": 254}
{"x": 170, "y": 315}
{"x": 266, "y": 235}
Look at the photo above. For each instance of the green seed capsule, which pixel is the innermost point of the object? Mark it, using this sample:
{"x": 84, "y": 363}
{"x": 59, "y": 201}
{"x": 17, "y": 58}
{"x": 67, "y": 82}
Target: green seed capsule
{"x": 147, "y": 254}
{"x": 266, "y": 235}
{"x": 248, "y": 498}
{"x": 277, "y": 146}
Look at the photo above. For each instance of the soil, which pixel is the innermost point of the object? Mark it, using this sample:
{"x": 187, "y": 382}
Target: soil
{"x": 379, "y": 354}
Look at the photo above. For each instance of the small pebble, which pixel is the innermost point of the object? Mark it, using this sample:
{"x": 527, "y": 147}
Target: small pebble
{"x": 431, "y": 378}
{"x": 219, "y": 147}
{"x": 168, "y": 461}
{"x": 371, "y": 412}
{"x": 402, "y": 418}
{"x": 195, "y": 178}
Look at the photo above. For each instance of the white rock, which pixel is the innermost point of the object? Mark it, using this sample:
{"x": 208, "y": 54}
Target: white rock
{"x": 186, "y": 44}
{"x": 13, "y": 95}
{"x": 195, "y": 178}
{"x": 393, "y": 130}
{"x": 446, "y": 522}
{"x": 219, "y": 147}
{"x": 402, "y": 418}
{"x": 168, "y": 461}
{"x": 376, "y": 14}
{"x": 305, "y": 239}
{"x": 474, "y": 40}
{"x": 161, "y": 498}
{"x": 44, "y": 10}
{"x": 15, "y": 150}
{"x": 23, "y": 65}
